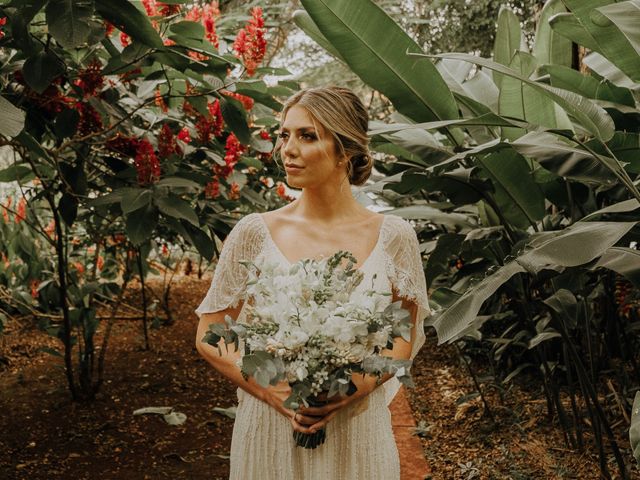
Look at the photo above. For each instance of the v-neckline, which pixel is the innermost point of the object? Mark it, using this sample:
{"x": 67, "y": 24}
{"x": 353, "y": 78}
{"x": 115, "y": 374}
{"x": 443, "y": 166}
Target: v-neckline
{"x": 289, "y": 262}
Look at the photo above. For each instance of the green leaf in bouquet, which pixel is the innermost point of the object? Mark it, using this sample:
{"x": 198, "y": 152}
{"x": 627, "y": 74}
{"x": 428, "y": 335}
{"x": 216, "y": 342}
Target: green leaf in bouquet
{"x": 261, "y": 366}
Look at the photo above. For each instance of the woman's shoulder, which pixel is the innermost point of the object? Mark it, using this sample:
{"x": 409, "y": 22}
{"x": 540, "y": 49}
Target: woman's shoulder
{"x": 250, "y": 225}
{"x": 397, "y": 225}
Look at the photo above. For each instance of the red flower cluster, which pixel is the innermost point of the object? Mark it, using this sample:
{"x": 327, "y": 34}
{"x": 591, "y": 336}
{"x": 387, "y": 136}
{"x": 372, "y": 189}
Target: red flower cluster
{"x": 125, "y": 146}
{"x": 125, "y": 40}
{"x": 159, "y": 101}
{"x": 5, "y": 213}
{"x": 250, "y": 44}
{"x": 90, "y": 120}
{"x": 167, "y": 144}
{"x": 21, "y": 210}
{"x": 108, "y": 28}
{"x": 281, "y": 191}
{"x": 212, "y": 125}
{"x": 90, "y": 80}
{"x": 146, "y": 163}
{"x": 207, "y": 15}
{"x": 167, "y": 10}
{"x": 3, "y": 22}
{"x": 234, "y": 191}
{"x": 233, "y": 149}
{"x": 184, "y": 135}
{"x": 212, "y": 190}
{"x": 33, "y": 286}
{"x": 247, "y": 102}
{"x": 51, "y": 101}
{"x": 150, "y": 7}
{"x": 50, "y": 229}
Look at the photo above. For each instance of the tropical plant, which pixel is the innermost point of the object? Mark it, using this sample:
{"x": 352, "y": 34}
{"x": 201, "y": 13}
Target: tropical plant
{"x": 520, "y": 173}
{"x": 131, "y": 126}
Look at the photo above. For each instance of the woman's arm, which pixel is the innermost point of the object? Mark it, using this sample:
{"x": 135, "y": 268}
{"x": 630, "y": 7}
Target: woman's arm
{"x": 227, "y": 365}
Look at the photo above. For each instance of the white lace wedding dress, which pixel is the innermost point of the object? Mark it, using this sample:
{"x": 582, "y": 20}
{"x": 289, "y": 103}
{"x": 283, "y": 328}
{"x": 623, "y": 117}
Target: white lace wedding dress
{"x": 360, "y": 443}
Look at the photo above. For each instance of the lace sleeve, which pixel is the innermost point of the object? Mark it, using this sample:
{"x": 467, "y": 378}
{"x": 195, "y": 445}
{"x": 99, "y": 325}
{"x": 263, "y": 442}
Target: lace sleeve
{"x": 405, "y": 271}
{"x": 243, "y": 243}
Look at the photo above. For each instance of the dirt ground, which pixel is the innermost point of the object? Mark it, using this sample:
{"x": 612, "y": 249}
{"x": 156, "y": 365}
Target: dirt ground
{"x": 44, "y": 435}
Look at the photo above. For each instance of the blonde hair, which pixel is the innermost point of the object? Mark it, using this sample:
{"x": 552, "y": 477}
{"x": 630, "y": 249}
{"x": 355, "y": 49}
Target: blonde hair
{"x": 343, "y": 115}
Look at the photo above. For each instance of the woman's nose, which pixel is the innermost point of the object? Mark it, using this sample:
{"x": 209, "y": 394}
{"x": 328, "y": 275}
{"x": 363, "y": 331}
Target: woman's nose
{"x": 290, "y": 148}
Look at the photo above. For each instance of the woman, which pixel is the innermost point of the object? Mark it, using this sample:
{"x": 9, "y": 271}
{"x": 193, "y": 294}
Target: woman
{"x": 323, "y": 143}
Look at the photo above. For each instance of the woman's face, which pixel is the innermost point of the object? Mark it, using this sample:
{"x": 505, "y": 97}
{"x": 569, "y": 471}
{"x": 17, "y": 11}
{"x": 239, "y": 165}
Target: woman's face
{"x": 308, "y": 153}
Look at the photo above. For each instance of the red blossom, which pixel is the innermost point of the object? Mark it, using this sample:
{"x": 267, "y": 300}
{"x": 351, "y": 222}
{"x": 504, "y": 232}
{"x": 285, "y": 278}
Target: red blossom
{"x": 109, "y": 28}
{"x": 3, "y": 22}
{"x": 207, "y": 16}
{"x": 265, "y": 135}
{"x": 125, "y": 40}
{"x": 167, "y": 144}
{"x": 21, "y": 210}
{"x": 159, "y": 101}
{"x": 125, "y": 146}
{"x": 50, "y": 229}
{"x": 33, "y": 286}
{"x": 212, "y": 190}
{"x": 184, "y": 135}
{"x": 247, "y": 102}
{"x": 147, "y": 164}
{"x": 203, "y": 127}
{"x": 100, "y": 262}
{"x": 150, "y": 7}
{"x": 5, "y": 213}
{"x": 90, "y": 80}
{"x": 233, "y": 149}
{"x": 167, "y": 10}
{"x": 250, "y": 44}
{"x": 79, "y": 267}
{"x": 280, "y": 190}
{"x": 90, "y": 120}
{"x": 234, "y": 191}
{"x": 216, "y": 115}
{"x": 165, "y": 250}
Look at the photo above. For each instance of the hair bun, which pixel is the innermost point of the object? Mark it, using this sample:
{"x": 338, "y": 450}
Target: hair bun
{"x": 360, "y": 168}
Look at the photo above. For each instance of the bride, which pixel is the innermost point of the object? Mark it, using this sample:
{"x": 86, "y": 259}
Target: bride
{"x": 323, "y": 144}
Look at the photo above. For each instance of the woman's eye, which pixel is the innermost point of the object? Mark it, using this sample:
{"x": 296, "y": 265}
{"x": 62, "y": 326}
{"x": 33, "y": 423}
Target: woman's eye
{"x": 308, "y": 136}
{"x": 283, "y": 135}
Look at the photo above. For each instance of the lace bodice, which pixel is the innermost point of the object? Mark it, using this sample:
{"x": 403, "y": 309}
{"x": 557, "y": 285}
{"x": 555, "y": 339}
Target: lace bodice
{"x": 396, "y": 254}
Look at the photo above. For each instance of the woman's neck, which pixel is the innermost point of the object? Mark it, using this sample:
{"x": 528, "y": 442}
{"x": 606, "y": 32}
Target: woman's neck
{"x": 327, "y": 204}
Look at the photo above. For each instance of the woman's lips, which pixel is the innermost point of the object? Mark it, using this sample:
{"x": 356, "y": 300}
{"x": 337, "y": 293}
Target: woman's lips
{"x": 293, "y": 168}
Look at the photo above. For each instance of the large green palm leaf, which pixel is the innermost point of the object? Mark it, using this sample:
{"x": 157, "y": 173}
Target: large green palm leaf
{"x": 576, "y": 245}
{"x": 590, "y": 116}
{"x": 375, "y": 48}
{"x": 609, "y": 40}
{"x": 549, "y": 47}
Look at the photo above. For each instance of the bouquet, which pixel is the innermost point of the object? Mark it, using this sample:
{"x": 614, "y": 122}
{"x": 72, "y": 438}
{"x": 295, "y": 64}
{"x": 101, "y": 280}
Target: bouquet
{"x": 307, "y": 324}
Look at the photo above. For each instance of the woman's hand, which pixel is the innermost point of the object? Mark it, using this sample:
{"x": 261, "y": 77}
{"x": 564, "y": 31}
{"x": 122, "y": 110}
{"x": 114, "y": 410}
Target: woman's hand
{"x": 275, "y": 395}
{"x": 365, "y": 384}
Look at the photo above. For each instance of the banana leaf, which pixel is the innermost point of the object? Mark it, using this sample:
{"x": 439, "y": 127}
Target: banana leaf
{"x": 609, "y": 39}
{"x": 590, "y": 116}
{"x": 576, "y": 245}
{"x": 508, "y": 40}
{"x": 375, "y": 48}
{"x": 549, "y": 47}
